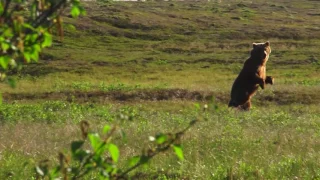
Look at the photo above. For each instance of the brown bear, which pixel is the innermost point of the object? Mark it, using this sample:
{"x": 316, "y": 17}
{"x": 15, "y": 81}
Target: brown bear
{"x": 252, "y": 75}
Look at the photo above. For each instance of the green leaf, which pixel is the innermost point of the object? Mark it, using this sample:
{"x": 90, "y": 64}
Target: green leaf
{"x": 35, "y": 56}
{"x": 178, "y": 150}
{"x": 80, "y": 154}
{"x": 114, "y": 151}
{"x": 1, "y": 98}
{"x": 47, "y": 40}
{"x": 75, "y": 145}
{"x": 4, "y": 61}
{"x": 54, "y": 172}
{"x": 161, "y": 138}
{"x": 134, "y": 160}
{"x": 5, "y": 46}
{"x": 7, "y": 33}
{"x": 101, "y": 149}
{"x": 75, "y": 11}
{"x": 32, "y": 53}
{"x": 28, "y": 26}
{"x": 106, "y": 129}
{"x": 30, "y": 38}
{"x": 36, "y": 48}
{"x": 95, "y": 141}
{"x": 34, "y": 37}
{"x": 27, "y": 56}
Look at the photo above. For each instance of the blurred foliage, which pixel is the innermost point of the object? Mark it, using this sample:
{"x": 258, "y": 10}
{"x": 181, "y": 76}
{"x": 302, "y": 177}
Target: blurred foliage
{"x": 26, "y": 28}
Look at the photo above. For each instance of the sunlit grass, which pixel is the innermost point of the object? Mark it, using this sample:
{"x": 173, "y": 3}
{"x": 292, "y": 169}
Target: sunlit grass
{"x": 258, "y": 141}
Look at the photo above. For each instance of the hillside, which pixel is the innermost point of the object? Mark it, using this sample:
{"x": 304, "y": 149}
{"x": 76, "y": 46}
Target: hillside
{"x": 133, "y": 43}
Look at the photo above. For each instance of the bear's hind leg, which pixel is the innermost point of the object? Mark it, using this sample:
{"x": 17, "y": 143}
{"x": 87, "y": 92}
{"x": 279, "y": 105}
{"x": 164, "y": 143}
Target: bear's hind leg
{"x": 232, "y": 104}
{"x": 246, "y": 106}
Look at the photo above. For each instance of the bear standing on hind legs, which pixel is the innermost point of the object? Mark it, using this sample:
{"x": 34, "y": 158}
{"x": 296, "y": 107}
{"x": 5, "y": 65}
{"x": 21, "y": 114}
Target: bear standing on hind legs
{"x": 251, "y": 77}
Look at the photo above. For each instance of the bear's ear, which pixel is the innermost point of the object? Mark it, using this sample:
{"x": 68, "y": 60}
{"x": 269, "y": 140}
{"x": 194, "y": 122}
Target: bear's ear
{"x": 267, "y": 43}
{"x": 254, "y": 45}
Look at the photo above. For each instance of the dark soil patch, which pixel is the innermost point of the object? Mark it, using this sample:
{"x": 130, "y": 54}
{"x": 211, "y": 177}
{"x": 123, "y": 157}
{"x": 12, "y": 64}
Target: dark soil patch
{"x": 47, "y": 57}
{"x": 293, "y": 62}
{"x": 158, "y": 175}
{"x": 211, "y": 61}
{"x": 203, "y": 60}
{"x": 101, "y": 63}
{"x": 313, "y": 14}
{"x": 106, "y": 63}
{"x": 38, "y": 70}
{"x": 278, "y": 97}
{"x": 148, "y": 95}
{"x": 286, "y": 97}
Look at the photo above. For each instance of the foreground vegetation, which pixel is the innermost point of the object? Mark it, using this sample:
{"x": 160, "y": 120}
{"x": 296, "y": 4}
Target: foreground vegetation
{"x": 144, "y": 66}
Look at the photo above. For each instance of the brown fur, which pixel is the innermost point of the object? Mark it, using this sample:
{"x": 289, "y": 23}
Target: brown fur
{"x": 252, "y": 75}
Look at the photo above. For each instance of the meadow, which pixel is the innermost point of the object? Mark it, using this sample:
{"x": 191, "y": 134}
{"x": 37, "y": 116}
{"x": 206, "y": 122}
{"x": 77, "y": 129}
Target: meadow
{"x": 151, "y": 67}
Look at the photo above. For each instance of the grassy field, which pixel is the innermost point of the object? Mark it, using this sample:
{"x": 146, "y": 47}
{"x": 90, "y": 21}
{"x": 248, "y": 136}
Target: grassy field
{"x": 152, "y": 62}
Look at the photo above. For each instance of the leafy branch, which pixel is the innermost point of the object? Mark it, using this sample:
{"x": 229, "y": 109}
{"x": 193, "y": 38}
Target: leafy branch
{"x": 104, "y": 155}
{"x": 25, "y": 29}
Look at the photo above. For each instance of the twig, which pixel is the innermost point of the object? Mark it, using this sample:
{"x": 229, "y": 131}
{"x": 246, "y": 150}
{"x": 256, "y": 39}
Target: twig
{"x": 158, "y": 151}
{"x": 43, "y": 17}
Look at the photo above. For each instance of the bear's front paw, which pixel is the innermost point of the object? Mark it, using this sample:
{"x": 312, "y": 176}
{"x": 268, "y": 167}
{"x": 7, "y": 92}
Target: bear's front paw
{"x": 269, "y": 80}
{"x": 262, "y": 83}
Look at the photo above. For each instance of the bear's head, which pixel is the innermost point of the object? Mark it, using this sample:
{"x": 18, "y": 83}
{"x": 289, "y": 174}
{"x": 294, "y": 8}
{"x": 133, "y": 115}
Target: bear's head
{"x": 261, "y": 52}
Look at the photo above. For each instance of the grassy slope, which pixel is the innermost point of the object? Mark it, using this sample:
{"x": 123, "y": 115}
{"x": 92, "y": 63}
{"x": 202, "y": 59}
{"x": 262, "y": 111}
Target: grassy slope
{"x": 148, "y": 50}
{"x": 135, "y": 43}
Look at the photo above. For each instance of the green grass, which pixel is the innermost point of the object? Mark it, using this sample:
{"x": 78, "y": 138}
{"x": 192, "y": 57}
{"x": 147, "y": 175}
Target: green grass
{"x": 267, "y": 142}
{"x": 144, "y": 65}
